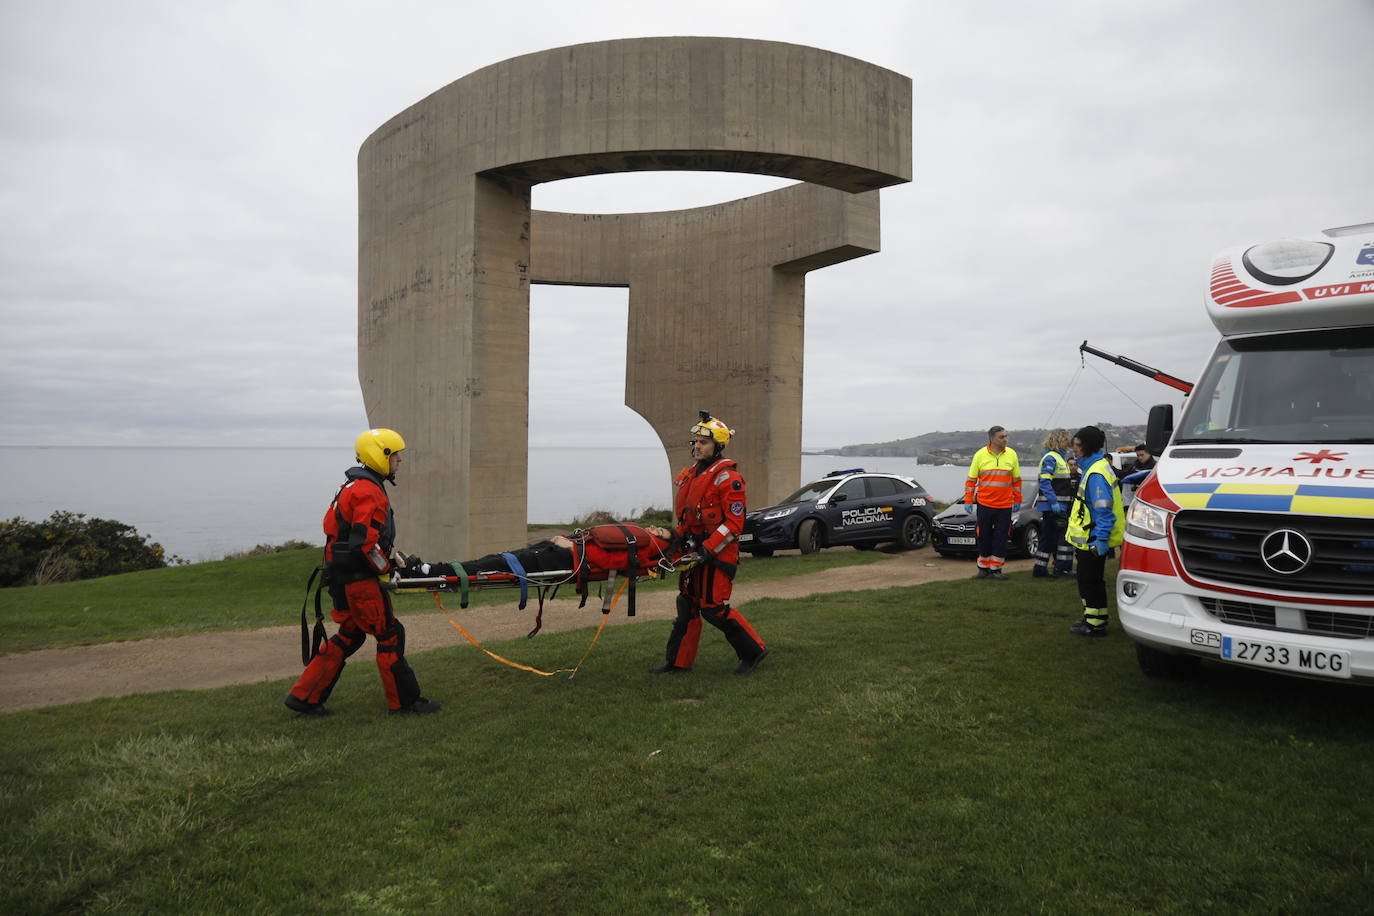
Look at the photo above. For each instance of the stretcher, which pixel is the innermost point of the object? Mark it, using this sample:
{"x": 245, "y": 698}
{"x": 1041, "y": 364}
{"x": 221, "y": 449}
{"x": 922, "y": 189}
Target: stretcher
{"x": 543, "y": 583}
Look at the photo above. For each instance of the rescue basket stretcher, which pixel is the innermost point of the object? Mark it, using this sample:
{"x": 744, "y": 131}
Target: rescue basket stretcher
{"x": 601, "y": 553}
{"x": 544, "y": 583}
{"x": 605, "y": 553}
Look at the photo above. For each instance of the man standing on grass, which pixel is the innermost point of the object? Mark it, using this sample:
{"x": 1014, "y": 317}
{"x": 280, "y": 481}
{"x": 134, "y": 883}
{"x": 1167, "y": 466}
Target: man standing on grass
{"x": 1096, "y": 526}
{"x": 708, "y": 504}
{"x": 360, "y": 531}
{"x": 993, "y": 490}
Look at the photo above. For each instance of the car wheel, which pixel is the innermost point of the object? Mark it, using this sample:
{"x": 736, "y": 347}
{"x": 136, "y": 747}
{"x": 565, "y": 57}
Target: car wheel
{"x": 867, "y": 545}
{"x": 915, "y": 531}
{"x": 1154, "y": 663}
{"x": 809, "y": 536}
{"x": 761, "y": 552}
{"x": 1029, "y": 540}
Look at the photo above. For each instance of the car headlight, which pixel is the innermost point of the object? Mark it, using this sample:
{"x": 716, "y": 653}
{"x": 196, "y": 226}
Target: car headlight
{"x": 779, "y": 513}
{"x": 1015, "y": 518}
{"x": 1146, "y": 521}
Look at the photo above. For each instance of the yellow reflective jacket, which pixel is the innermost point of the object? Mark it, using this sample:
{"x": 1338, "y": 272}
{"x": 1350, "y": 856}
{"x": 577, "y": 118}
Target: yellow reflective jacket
{"x": 994, "y": 480}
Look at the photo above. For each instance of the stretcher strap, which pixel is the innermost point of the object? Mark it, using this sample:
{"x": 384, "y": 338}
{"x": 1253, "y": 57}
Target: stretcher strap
{"x": 519, "y": 571}
{"x": 571, "y": 672}
{"x": 632, "y": 568}
{"x": 462, "y": 583}
{"x": 607, "y": 601}
{"x": 309, "y": 648}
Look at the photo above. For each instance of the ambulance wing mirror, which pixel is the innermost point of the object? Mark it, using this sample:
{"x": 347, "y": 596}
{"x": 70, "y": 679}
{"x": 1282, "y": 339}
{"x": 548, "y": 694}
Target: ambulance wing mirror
{"x": 1160, "y": 428}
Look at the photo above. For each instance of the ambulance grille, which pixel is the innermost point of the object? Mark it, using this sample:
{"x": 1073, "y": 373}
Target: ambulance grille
{"x": 1315, "y": 623}
{"x": 1225, "y": 547}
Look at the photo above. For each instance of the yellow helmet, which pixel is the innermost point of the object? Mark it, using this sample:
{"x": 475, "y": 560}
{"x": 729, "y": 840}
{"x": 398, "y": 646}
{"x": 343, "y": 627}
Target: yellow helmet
{"x": 710, "y": 426}
{"x": 375, "y": 448}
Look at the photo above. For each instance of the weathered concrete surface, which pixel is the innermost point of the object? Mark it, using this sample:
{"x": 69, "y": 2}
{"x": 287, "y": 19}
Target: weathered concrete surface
{"x": 445, "y": 233}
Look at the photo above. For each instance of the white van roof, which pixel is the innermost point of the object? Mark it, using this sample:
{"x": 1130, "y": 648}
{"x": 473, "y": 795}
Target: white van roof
{"x": 1325, "y": 280}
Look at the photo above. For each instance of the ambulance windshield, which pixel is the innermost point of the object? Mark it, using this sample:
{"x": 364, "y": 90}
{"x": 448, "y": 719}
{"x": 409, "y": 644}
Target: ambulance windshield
{"x": 1309, "y": 387}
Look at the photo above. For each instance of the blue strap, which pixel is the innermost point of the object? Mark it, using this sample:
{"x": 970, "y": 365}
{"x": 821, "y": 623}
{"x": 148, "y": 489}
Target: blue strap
{"x": 519, "y": 571}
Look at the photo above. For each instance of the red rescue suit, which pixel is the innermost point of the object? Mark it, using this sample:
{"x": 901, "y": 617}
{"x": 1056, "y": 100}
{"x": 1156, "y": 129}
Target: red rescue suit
{"x": 359, "y": 529}
{"x": 708, "y": 503}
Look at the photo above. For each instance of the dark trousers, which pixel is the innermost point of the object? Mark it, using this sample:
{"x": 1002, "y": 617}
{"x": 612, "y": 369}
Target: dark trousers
{"x": 1092, "y": 585}
{"x": 1052, "y": 544}
{"x": 994, "y": 530}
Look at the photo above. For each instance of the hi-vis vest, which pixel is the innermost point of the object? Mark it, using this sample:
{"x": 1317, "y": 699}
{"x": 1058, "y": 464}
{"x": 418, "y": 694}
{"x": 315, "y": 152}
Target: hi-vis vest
{"x": 1080, "y": 519}
{"x": 994, "y": 480}
{"x": 1059, "y": 480}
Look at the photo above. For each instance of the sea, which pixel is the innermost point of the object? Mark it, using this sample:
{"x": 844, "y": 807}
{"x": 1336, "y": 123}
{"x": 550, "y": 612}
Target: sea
{"x": 204, "y": 503}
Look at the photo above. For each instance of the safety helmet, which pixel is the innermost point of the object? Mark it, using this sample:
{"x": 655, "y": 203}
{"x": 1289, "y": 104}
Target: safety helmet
{"x": 708, "y": 425}
{"x": 375, "y": 448}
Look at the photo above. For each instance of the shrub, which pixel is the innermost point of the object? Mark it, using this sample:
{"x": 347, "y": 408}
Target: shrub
{"x": 595, "y": 517}
{"x": 655, "y": 516}
{"x": 650, "y": 516}
{"x": 262, "y": 549}
{"x": 69, "y": 546}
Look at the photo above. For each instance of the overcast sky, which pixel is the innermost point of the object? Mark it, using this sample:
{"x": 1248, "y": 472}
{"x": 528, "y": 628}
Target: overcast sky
{"x": 178, "y": 255}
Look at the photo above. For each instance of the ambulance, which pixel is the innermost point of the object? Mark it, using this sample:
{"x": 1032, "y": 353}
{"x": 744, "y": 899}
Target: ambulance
{"x": 1252, "y": 542}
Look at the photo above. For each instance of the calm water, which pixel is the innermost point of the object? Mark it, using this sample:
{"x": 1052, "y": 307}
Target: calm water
{"x": 201, "y": 503}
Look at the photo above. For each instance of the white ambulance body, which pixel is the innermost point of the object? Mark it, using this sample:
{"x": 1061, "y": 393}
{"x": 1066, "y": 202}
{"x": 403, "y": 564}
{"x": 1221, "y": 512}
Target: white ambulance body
{"x": 1253, "y": 540}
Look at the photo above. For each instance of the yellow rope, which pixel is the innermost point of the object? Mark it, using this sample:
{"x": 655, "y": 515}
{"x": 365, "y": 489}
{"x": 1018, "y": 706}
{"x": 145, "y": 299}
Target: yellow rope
{"x": 571, "y": 672}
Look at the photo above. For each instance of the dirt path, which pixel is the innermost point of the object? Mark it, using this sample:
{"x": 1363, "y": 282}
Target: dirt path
{"x": 50, "y": 677}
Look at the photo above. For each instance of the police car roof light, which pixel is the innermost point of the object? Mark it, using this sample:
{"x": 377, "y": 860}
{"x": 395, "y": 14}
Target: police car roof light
{"x": 842, "y": 473}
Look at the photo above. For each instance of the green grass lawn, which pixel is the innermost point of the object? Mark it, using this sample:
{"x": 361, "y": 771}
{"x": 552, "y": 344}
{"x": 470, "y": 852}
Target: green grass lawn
{"x": 257, "y": 591}
{"x": 942, "y": 748}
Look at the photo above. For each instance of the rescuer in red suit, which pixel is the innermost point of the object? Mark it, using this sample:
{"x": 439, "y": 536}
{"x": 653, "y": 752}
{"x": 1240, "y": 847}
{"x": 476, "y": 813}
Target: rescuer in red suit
{"x": 708, "y": 503}
{"x": 359, "y": 532}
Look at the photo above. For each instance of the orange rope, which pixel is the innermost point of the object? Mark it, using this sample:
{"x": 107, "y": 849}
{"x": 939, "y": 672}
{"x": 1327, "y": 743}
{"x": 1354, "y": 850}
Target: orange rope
{"x": 571, "y": 672}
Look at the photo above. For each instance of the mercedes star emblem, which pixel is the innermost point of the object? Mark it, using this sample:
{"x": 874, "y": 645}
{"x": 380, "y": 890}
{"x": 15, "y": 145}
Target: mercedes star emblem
{"x": 1286, "y": 551}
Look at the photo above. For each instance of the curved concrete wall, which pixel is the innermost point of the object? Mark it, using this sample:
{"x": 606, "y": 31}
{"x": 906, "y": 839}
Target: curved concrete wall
{"x": 446, "y": 258}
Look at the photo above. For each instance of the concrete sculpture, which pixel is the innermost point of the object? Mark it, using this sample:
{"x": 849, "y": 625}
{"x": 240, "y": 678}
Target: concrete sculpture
{"x": 448, "y": 246}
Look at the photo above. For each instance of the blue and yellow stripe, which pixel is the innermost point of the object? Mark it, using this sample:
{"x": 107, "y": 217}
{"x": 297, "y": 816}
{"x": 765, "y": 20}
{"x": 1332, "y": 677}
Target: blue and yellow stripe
{"x": 1300, "y": 498}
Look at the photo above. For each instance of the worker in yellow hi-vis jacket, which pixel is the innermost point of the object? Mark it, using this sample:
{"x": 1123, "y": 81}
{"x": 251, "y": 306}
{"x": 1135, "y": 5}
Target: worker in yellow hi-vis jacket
{"x": 993, "y": 492}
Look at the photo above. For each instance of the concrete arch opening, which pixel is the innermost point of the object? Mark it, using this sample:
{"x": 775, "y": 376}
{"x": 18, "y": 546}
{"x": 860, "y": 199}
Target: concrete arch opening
{"x": 611, "y": 448}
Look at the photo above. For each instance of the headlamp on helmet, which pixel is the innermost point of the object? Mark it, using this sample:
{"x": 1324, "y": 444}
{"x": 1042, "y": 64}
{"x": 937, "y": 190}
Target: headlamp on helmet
{"x": 375, "y": 448}
{"x": 708, "y": 425}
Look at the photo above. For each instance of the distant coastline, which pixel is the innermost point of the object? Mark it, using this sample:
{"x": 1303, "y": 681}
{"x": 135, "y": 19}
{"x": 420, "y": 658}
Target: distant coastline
{"x": 957, "y": 447}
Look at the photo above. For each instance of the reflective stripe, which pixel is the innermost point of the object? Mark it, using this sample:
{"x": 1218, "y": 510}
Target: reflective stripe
{"x": 993, "y": 480}
{"x": 1079, "y": 531}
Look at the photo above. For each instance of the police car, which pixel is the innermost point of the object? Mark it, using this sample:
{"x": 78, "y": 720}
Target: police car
{"x": 844, "y": 507}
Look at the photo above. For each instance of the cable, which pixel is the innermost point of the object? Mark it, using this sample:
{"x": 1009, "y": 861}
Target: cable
{"x": 1123, "y": 393}
{"x": 1063, "y": 398}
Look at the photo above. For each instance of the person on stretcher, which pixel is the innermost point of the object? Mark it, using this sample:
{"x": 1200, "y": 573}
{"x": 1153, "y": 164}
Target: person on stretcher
{"x": 586, "y": 555}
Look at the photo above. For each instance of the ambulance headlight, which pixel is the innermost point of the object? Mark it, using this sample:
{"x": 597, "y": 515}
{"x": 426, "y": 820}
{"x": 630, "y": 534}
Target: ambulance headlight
{"x": 779, "y": 513}
{"x": 1146, "y": 521}
{"x": 1287, "y": 260}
